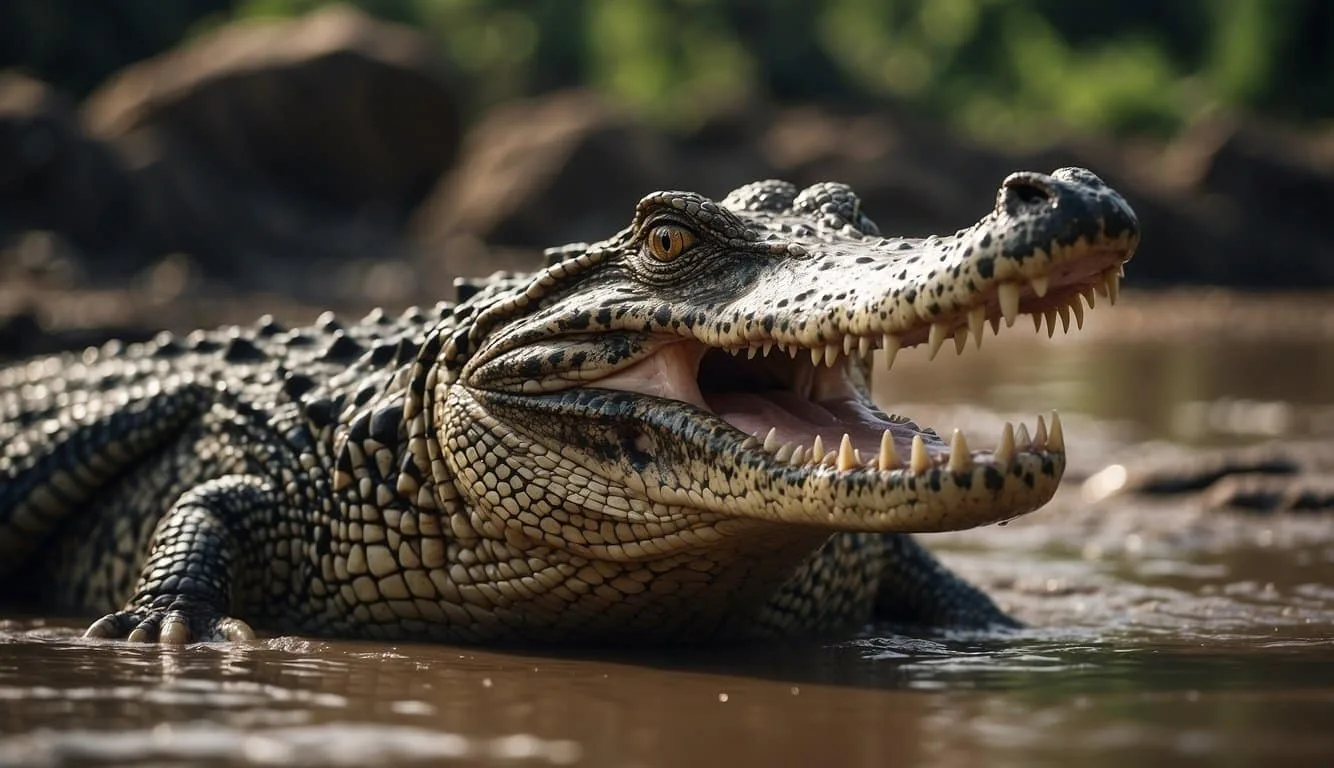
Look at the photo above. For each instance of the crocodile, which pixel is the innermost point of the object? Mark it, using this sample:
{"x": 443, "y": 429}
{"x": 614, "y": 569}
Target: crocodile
{"x": 662, "y": 437}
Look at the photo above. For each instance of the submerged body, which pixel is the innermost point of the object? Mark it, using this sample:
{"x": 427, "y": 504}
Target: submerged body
{"x": 664, "y": 437}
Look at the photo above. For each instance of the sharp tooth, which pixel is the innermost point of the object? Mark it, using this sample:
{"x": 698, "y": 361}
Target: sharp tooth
{"x": 1100, "y": 287}
{"x": 750, "y": 443}
{"x": 1037, "y": 322}
{"x": 1056, "y": 440}
{"x": 888, "y": 458}
{"x": 1040, "y": 436}
{"x": 771, "y": 439}
{"x": 1008, "y": 293}
{"x": 961, "y": 459}
{"x": 995, "y": 324}
{"x": 817, "y": 355}
{"x": 936, "y": 339}
{"x": 920, "y": 461}
{"x": 891, "y": 345}
{"x": 1051, "y": 322}
{"x": 829, "y": 458}
{"x": 768, "y": 347}
{"x": 848, "y": 343}
{"x": 977, "y": 319}
{"x": 1064, "y": 313}
{"x": 1079, "y": 312}
{"x": 785, "y": 452}
{"x": 1005, "y": 451}
{"x": 847, "y": 457}
{"x": 731, "y": 351}
{"x": 1040, "y": 284}
{"x": 792, "y": 351}
{"x": 960, "y": 339}
{"x": 1021, "y": 439}
{"x": 831, "y": 354}
{"x": 751, "y": 352}
{"x": 1113, "y": 278}
{"x": 857, "y": 454}
{"x": 798, "y": 456}
{"x": 863, "y": 346}
{"x": 1087, "y": 293}
{"x": 817, "y": 449}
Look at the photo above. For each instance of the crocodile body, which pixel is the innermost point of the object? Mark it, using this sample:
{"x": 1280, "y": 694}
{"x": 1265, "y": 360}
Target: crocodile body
{"x": 665, "y": 436}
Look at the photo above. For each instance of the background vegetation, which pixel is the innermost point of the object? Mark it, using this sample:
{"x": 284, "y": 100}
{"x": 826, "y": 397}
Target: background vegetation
{"x": 1001, "y": 68}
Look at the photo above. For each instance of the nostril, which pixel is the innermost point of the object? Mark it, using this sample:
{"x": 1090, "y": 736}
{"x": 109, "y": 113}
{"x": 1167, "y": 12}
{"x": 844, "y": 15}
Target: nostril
{"x": 1028, "y": 193}
{"x": 1027, "y": 189}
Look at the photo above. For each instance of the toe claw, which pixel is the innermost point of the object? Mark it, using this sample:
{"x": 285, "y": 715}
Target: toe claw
{"x": 146, "y": 632}
{"x": 107, "y": 627}
{"x": 235, "y": 631}
{"x": 171, "y": 620}
{"x": 175, "y": 631}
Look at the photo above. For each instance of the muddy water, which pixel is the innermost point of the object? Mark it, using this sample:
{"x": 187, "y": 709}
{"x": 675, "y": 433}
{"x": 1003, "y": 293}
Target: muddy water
{"x": 1161, "y": 634}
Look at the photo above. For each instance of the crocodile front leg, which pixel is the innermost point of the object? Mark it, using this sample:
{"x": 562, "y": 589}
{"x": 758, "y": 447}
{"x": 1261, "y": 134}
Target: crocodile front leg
{"x": 196, "y": 557}
{"x": 915, "y": 588}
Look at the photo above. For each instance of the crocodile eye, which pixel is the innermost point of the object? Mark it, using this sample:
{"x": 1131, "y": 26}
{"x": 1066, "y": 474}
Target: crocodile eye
{"x": 668, "y": 241}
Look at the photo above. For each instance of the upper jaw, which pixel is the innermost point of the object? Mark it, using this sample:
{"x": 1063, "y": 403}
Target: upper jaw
{"x": 1050, "y": 241}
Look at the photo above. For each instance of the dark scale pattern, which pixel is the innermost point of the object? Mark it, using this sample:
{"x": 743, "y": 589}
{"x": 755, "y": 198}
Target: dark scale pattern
{"x": 456, "y": 473}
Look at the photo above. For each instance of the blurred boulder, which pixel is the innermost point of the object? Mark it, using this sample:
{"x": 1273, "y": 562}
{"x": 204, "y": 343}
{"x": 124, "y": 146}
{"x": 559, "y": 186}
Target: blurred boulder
{"x": 333, "y": 106}
{"x": 1254, "y": 207}
{"x": 55, "y": 179}
{"x": 911, "y": 182}
{"x": 555, "y": 169}
{"x": 285, "y": 155}
{"x": 725, "y": 152}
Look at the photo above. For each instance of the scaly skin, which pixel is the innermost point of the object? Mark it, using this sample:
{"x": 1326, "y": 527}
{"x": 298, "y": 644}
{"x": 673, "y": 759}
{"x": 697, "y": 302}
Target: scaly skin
{"x": 570, "y": 456}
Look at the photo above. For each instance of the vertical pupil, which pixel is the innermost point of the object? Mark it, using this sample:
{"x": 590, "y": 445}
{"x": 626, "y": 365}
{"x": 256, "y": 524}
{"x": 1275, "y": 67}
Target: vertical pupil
{"x": 665, "y": 239}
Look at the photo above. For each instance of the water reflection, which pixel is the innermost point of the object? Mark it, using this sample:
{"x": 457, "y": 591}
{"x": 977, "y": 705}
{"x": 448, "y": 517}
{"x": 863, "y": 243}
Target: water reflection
{"x": 1025, "y": 697}
{"x": 1165, "y": 369}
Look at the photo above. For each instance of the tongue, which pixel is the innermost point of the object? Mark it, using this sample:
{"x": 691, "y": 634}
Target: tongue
{"x": 799, "y": 420}
{"x": 672, "y": 373}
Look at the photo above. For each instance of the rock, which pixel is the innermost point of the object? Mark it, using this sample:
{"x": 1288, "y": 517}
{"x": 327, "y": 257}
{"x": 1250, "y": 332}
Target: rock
{"x": 724, "y": 152}
{"x": 284, "y": 156}
{"x": 251, "y": 236}
{"x": 332, "y": 106}
{"x": 1255, "y": 207}
{"x": 872, "y": 154}
{"x": 55, "y": 178}
{"x": 555, "y": 169}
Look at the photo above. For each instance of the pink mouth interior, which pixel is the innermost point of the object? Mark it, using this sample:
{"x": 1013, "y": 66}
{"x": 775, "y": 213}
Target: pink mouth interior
{"x": 794, "y": 397}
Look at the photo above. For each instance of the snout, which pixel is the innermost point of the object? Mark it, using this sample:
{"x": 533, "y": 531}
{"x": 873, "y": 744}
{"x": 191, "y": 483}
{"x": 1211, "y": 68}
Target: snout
{"x": 1064, "y": 206}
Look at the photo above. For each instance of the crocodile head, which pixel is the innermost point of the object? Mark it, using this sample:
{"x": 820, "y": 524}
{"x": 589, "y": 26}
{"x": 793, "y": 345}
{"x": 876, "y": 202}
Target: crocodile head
{"x": 707, "y": 367}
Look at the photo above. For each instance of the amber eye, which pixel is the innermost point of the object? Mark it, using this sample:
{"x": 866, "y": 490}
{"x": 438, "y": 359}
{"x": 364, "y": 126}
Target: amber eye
{"x": 668, "y": 241}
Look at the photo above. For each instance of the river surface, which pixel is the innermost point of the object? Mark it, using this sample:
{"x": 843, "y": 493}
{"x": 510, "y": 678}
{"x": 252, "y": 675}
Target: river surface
{"x": 1161, "y": 633}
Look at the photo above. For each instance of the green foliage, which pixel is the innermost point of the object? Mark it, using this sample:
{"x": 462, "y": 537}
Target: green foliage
{"x": 1010, "y": 69}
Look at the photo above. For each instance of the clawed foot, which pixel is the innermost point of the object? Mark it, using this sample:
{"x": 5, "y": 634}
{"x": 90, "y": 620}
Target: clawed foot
{"x": 171, "y": 620}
